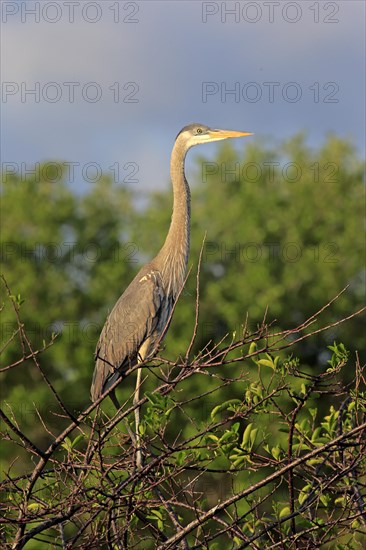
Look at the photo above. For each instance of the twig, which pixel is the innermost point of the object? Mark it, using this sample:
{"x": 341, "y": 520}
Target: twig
{"x": 222, "y": 506}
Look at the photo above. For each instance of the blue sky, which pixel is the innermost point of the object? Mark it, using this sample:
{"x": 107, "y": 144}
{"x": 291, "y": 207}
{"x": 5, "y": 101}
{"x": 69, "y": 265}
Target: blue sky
{"x": 136, "y": 72}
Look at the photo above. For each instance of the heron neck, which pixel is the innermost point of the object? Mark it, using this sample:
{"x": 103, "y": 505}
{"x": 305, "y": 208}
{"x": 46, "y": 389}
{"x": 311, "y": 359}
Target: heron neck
{"x": 174, "y": 254}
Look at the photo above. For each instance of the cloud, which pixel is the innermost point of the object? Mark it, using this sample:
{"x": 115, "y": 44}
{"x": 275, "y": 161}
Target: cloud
{"x": 150, "y": 76}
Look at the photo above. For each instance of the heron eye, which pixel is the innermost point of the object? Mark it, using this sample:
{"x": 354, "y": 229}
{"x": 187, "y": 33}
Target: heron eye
{"x": 199, "y": 131}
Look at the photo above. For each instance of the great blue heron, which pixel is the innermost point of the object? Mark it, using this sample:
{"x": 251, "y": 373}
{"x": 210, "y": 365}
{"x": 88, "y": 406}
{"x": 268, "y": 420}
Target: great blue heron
{"x": 135, "y": 325}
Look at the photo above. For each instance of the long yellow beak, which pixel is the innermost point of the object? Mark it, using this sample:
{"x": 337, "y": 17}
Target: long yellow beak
{"x": 223, "y": 134}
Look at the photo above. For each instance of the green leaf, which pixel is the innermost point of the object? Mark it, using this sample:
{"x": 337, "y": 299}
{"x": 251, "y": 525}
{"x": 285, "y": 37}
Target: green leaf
{"x": 313, "y": 412}
{"x": 224, "y": 406}
{"x": 285, "y": 512}
{"x": 246, "y": 435}
{"x": 34, "y": 507}
{"x": 266, "y": 363}
{"x": 253, "y": 435}
{"x": 17, "y": 299}
{"x": 77, "y": 439}
{"x": 252, "y": 348}
{"x": 325, "y": 499}
{"x": 276, "y": 452}
{"x": 304, "y": 493}
{"x": 67, "y": 444}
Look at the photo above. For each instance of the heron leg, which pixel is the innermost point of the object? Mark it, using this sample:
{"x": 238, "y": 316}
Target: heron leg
{"x": 136, "y": 399}
{"x": 135, "y": 437}
{"x": 116, "y": 403}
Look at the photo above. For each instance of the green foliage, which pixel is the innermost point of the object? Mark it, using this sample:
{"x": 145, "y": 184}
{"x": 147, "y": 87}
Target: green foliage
{"x": 339, "y": 357}
{"x": 277, "y": 245}
{"x": 72, "y": 255}
{"x": 237, "y": 456}
{"x": 287, "y": 245}
{"x": 64, "y": 254}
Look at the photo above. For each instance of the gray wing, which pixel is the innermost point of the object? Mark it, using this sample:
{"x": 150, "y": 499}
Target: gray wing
{"x": 133, "y": 319}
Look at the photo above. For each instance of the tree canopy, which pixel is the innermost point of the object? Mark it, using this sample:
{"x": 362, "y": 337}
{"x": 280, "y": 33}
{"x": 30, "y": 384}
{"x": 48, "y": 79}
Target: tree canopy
{"x": 283, "y": 230}
{"x": 279, "y": 230}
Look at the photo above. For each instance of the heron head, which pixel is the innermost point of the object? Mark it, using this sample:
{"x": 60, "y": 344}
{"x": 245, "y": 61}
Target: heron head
{"x": 194, "y": 134}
